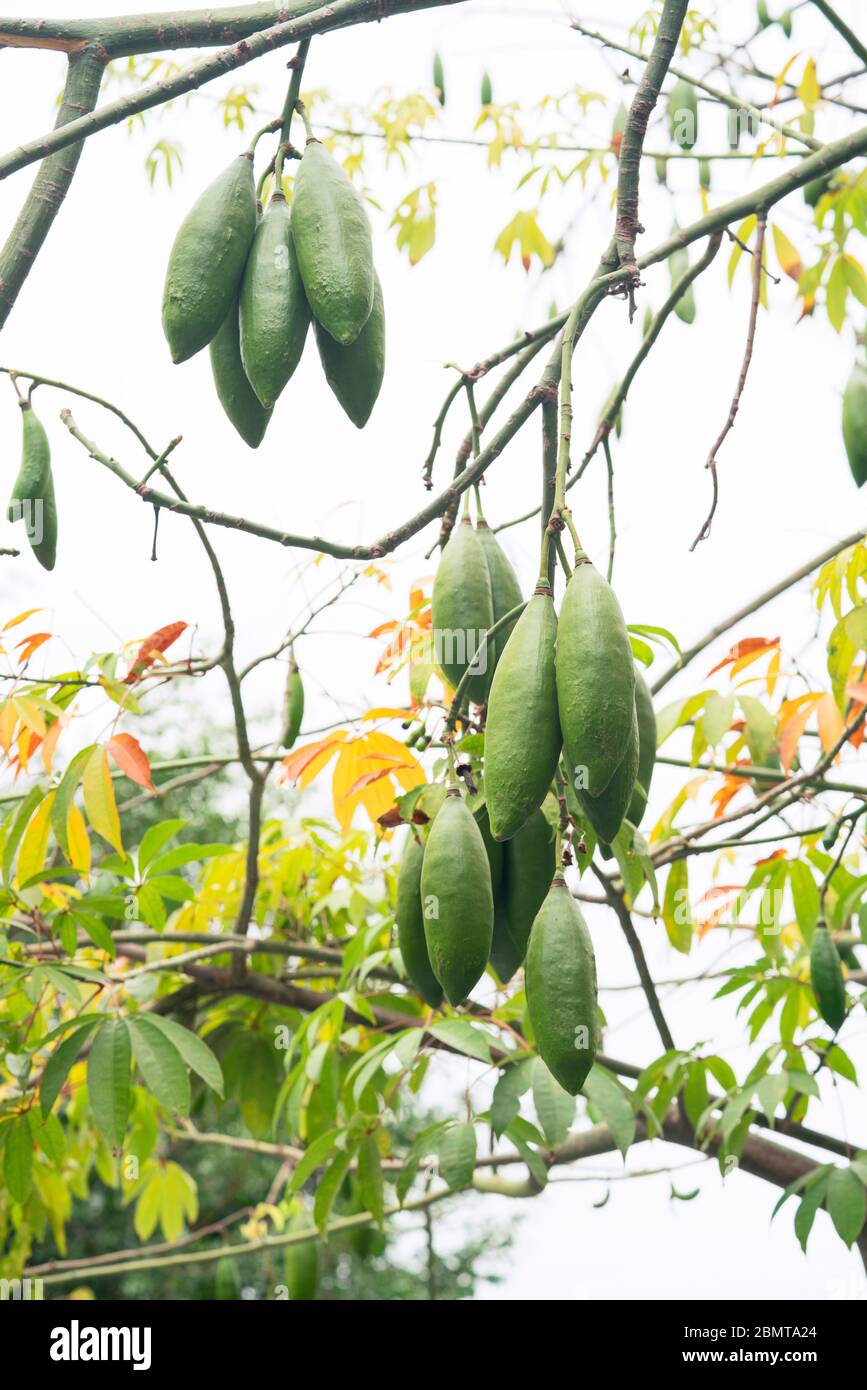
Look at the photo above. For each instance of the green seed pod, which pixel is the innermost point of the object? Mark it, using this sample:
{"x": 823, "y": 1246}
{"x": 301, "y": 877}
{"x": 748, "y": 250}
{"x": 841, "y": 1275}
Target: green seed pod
{"x": 32, "y": 500}
{"x": 462, "y": 610}
{"x": 678, "y": 265}
{"x": 704, "y": 174}
{"x": 274, "y": 314}
{"x": 355, "y": 373}
{"x": 293, "y": 710}
{"x": 487, "y": 89}
{"x": 660, "y": 164}
{"x": 237, "y": 397}
{"x": 504, "y": 956}
{"x": 855, "y": 422}
{"x": 439, "y": 80}
{"x": 560, "y": 976}
{"x": 457, "y": 901}
{"x": 606, "y": 812}
{"x": 333, "y": 245}
{"x": 595, "y": 678}
{"x": 493, "y": 849}
{"x": 529, "y": 869}
{"x": 410, "y": 924}
{"x": 826, "y": 977}
{"x": 207, "y": 260}
{"x": 227, "y": 1284}
{"x": 505, "y": 591}
{"x": 646, "y": 749}
{"x": 301, "y": 1268}
{"x": 522, "y": 736}
{"x": 683, "y": 114}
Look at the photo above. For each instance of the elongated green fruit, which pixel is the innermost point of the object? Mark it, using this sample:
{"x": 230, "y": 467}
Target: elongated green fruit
{"x": 646, "y": 749}
{"x": 826, "y": 977}
{"x": 236, "y": 395}
{"x": 301, "y": 1266}
{"x": 227, "y": 1284}
{"x": 493, "y": 849}
{"x": 457, "y": 902}
{"x": 683, "y": 114}
{"x": 678, "y": 265}
{"x": 333, "y": 245}
{"x": 522, "y": 736}
{"x": 274, "y": 313}
{"x": 487, "y": 89}
{"x": 207, "y": 259}
{"x": 606, "y": 812}
{"x": 355, "y": 373}
{"x": 595, "y": 678}
{"x": 439, "y": 80}
{"x": 529, "y": 869}
{"x": 855, "y": 422}
{"x": 32, "y": 500}
{"x": 410, "y": 924}
{"x": 293, "y": 712}
{"x": 560, "y": 976}
{"x": 503, "y": 956}
{"x": 505, "y": 589}
{"x": 462, "y": 610}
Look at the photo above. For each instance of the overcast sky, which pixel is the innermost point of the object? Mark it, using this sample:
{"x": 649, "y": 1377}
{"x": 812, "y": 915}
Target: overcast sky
{"x": 90, "y": 314}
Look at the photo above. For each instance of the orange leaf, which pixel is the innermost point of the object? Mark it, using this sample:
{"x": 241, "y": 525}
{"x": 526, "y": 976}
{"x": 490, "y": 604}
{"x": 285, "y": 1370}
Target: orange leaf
{"x": 50, "y": 743}
{"x": 152, "y": 647}
{"x": 830, "y": 721}
{"x": 32, "y": 644}
{"x": 132, "y": 760}
{"x": 311, "y": 758}
{"x": 769, "y": 858}
{"x": 793, "y": 719}
{"x": 748, "y": 646}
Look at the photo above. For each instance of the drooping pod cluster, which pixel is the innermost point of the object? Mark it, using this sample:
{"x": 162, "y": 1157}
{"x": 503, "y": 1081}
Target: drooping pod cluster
{"x": 247, "y": 284}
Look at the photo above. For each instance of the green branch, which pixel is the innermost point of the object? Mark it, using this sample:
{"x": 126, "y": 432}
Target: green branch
{"x": 857, "y": 46}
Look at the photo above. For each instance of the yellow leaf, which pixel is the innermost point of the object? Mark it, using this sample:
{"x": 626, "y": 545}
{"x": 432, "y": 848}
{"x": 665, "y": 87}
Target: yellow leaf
{"x": 99, "y": 799}
{"x": 77, "y": 839}
{"x": 808, "y": 88}
{"x": 49, "y": 743}
{"x": 8, "y": 720}
{"x": 30, "y": 716}
{"x": 34, "y": 846}
{"x": 13, "y": 622}
{"x": 788, "y": 257}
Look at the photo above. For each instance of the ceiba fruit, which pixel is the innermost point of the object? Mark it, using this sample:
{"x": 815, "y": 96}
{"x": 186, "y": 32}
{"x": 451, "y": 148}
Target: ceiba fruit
{"x": 237, "y": 397}
{"x": 355, "y": 373}
{"x": 560, "y": 975}
{"x": 333, "y": 245}
{"x": 646, "y": 749}
{"x": 32, "y": 499}
{"x": 505, "y": 590}
{"x": 457, "y": 900}
{"x": 410, "y": 924}
{"x": 606, "y": 811}
{"x": 522, "y": 735}
{"x": 462, "y": 610}
{"x": 855, "y": 422}
{"x": 527, "y": 873}
{"x": 207, "y": 259}
{"x": 595, "y": 678}
{"x": 826, "y": 977}
{"x": 274, "y": 314}
{"x": 683, "y": 114}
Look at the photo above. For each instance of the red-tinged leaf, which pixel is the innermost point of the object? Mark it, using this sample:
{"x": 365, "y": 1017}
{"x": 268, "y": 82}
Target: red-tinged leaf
{"x": 132, "y": 760}
{"x": 152, "y": 647}
{"x": 311, "y": 758}
{"x": 726, "y": 793}
{"x": 769, "y": 858}
{"x": 383, "y": 627}
{"x": 746, "y": 647}
{"x": 391, "y": 820}
{"x": 368, "y": 778}
{"x": 794, "y": 718}
{"x": 616, "y": 142}
{"x": 857, "y": 691}
{"x": 32, "y": 644}
{"x": 49, "y": 744}
{"x": 830, "y": 720}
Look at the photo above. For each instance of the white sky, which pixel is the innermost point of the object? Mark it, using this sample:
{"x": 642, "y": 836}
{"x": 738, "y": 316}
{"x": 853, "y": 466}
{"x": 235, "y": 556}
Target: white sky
{"x": 90, "y": 313}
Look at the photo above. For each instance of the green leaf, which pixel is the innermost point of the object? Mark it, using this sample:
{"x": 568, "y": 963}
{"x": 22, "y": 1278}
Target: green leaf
{"x": 717, "y": 717}
{"x": 153, "y": 840}
{"x": 676, "y": 913}
{"x": 188, "y": 854}
{"x": 512, "y": 1083}
{"x": 612, "y": 1102}
{"x": 329, "y": 1186}
{"x": 464, "y": 1037}
{"x": 161, "y": 1065}
{"x": 554, "y": 1106}
{"x": 761, "y": 728}
{"x": 108, "y": 1080}
{"x": 18, "y": 1158}
{"x": 370, "y": 1178}
{"x": 65, "y": 796}
{"x": 846, "y": 1199}
{"x": 457, "y": 1155}
{"x": 197, "y": 1055}
{"x": 60, "y": 1062}
{"x": 807, "y": 1207}
{"x": 314, "y": 1158}
{"x": 17, "y": 828}
{"x": 695, "y": 1094}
